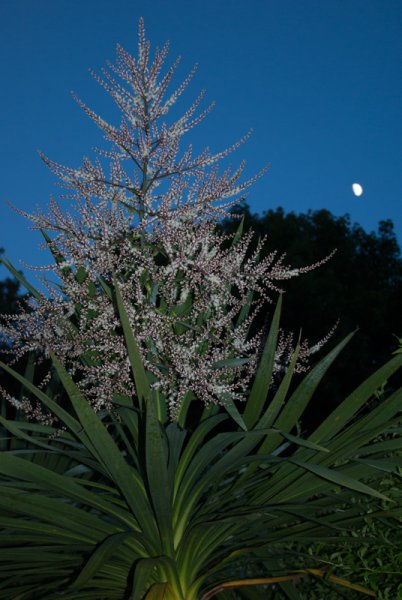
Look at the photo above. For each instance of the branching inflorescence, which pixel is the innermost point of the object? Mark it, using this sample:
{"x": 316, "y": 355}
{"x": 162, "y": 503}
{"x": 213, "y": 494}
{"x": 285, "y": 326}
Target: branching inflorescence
{"x": 149, "y": 221}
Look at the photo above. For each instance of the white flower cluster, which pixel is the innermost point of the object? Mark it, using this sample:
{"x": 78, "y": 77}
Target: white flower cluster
{"x": 151, "y": 222}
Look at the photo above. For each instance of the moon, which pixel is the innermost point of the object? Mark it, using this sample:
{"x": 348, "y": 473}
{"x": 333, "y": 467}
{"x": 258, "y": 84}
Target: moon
{"x": 357, "y": 189}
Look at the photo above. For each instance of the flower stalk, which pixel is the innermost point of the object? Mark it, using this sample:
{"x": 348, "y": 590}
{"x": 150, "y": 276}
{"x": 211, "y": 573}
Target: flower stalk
{"x": 150, "y": 223}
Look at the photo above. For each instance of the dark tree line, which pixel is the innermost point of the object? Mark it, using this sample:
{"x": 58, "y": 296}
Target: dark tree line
{"x": 361, "y": 286}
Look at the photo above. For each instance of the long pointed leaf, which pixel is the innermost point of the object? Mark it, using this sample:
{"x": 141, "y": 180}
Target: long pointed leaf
{"x": 274, "y": 407}
{"x": 339, "y": 478}
{"x": 140, "y": 377}
{"x": 18, "y": 468}
{"x": 21, "y": 278}
{"x": 296, "y": 404}
{"x": 160, "y": 485}
{"x": 263, "y": 378}
{"x": 72, "y": 424}
{"x": 126, "y": 477}
{"x": 341, "y": 415}
{"x": 98, "y": 558}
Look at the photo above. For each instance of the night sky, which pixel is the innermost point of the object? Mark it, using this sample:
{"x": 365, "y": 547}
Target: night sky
{"x": 319, "y": 81}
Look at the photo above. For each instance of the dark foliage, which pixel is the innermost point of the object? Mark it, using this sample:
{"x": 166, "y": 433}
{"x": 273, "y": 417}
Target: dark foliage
{"x": 10, "y": 298}
{"x": 361, "y": 286}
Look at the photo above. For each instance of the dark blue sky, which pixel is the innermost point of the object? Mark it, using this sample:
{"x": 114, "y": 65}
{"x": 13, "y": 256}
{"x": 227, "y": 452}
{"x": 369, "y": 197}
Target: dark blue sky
{"x": 319, "y": 81}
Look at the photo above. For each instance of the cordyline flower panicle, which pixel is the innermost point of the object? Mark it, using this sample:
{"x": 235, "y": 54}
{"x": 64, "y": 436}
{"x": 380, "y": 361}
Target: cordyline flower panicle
{"x": 150, "y": 220}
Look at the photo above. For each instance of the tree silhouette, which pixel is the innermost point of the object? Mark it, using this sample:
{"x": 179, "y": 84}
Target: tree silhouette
{"x": 10, "y": 293}
{"x": 361, "y": 286}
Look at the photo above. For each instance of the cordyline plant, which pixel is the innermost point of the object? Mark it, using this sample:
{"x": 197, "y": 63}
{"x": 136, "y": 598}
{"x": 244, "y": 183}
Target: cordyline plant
{"x": 172, "y": 465}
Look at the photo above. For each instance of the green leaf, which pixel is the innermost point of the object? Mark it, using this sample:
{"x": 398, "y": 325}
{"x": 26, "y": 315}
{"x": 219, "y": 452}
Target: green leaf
{"x": 338, "y": 478}
{"x": 175, "y": 436}
{"x": 184, "y": 309}
{"x": 142, "y": 577}
{"x": 49, "y": 516}
{"x": 382, "y": 413}
{"x": 28, "y": 373}
{"x": 239, "y": 232}
{"x": 184, "y": 407}
{"x": 263, "y": 378}
{"x": 301, "y": 442}
{"x": 159, "y": 591}
{"x": 194, "y": 442}
{"x": 21, "y": 278}
{"x": 296, "y": 404}
{"x": 230, "y": 363}
{"x": 160, "y": 485}
{"x": 13, "y": 428}
{"x": 106, "y": 288}
{"x": 26, "y": 471}
{"x": 196, "y": 483}
{"x": 140, "y": 378}
{"x": 81, "y": 275}
{"x": 166, "y": 571}
{"x": 192, "y": 477}
{"x": 125, "y": 477}
{"x": 99, "y": 557}
{"x": 200, "y": 543}
{"x": 341, "y": 415}
{"x": 232, "y": 410}
{"x": 245, "y": 309}
{"x": 278, "y": 401}
{"x": 72, "y": 424}
{"x": 58, "y": 257}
